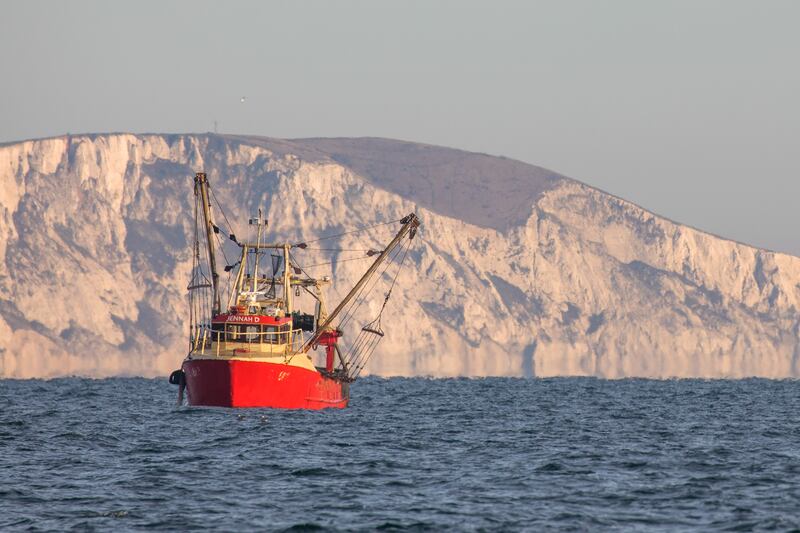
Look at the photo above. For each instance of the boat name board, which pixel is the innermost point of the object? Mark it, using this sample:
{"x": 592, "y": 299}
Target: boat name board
{"x": 251, "y": 319}
{"x": 254, "y": 319}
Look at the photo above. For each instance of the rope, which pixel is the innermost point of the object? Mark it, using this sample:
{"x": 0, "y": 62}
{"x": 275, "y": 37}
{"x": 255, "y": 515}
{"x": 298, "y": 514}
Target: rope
{"x": 391, "y": 287}
{"x": 367, "y": 345}
{"x": 222, "y": 249}
{"x": 367, "y": 354}
{"x": 298, "y": 265}
{"x": 340, "y": 249}
{"x": 214, "y": 197}
{"x": 363, "y": 293}
{"x": 195, "y": 259}
{"x": 338, "y": 261}
{"x": 371, "y": 334}
{"x": 199, "y": 297}
{"x": 347, "y": 232}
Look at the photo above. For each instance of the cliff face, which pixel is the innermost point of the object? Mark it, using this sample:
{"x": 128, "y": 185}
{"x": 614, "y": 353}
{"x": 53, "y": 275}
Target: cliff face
{"x": 516, "y": 271}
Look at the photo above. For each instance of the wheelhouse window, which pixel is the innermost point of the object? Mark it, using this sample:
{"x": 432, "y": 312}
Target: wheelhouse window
{"x": 232, "y": 334}
{"x": 217, "y": 332}
{"x": 269, "y": 335}
{"x": 254, "y": 334}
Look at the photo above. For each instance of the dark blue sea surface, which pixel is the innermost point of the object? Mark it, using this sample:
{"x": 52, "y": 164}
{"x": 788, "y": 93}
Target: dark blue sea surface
{"x": 416, "y": 454}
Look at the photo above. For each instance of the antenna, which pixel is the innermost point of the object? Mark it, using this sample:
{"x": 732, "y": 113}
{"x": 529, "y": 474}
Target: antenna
{"x": 261, "y": 223}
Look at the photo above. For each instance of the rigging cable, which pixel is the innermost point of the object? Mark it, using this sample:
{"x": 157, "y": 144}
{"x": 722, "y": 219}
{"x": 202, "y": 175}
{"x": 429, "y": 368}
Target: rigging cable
{"x": 230, "y": 226}
{"x": 372, "y": 333}
{"x": 195, "y": 259}
{"x": 336, "y": 261}
{"x": 340, "y": 249}
{"x": 222, "y": 249}
{"x": 357, "y": 346}
{"x": 305, "y": 243}
{"x": 364, "y": 292}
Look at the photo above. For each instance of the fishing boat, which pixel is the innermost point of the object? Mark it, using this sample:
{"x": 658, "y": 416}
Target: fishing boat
{"x": 258, "y": 350}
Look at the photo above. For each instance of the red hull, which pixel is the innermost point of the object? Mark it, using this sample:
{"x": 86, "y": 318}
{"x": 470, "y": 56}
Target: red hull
{"x": 236, "y": 383}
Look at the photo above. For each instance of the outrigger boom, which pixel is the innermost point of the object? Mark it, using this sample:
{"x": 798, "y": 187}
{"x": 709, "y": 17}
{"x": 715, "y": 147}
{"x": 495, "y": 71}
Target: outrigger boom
{"x": 410, "y": 224}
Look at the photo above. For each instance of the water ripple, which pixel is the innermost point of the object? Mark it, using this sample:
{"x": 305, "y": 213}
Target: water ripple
{"x": 408, "y": 455}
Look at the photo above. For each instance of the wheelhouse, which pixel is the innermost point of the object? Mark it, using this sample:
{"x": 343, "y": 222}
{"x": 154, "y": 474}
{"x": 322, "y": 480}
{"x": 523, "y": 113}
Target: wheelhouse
{"x": 253, "y": 329}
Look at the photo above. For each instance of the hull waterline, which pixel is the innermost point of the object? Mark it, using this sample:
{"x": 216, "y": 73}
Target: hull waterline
{"x": 238, "y": 383}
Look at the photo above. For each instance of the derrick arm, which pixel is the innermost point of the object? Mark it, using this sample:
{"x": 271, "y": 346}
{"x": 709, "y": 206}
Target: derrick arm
{"x": 201, "y": 187}
{"x": 410, "y": 224}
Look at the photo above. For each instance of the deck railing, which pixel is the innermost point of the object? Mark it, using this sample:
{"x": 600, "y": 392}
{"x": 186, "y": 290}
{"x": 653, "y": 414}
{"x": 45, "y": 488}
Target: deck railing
{"x": 253, "y": 343}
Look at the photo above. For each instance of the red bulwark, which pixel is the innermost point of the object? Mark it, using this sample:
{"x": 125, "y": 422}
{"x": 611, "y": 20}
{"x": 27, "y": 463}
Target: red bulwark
{"x": 236, "y": 383}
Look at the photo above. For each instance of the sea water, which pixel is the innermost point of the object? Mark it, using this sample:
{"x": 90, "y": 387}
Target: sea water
{"x": 408, "y": 454}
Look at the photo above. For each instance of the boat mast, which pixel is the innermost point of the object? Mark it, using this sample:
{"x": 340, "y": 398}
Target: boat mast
{"x": 201, "y": 184}
{"x": 240, "y": 277}
{"x": 258, "y": 248}
{"x": 410, "y": 223}
{"x": 287, "y": 280}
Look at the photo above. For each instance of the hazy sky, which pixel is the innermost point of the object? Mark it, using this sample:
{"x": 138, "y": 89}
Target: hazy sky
{"x": 690, "y": 109}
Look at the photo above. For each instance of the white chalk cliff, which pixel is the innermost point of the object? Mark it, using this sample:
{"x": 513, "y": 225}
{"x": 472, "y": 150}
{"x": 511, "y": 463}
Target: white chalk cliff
{"x": 517, "y": 271}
